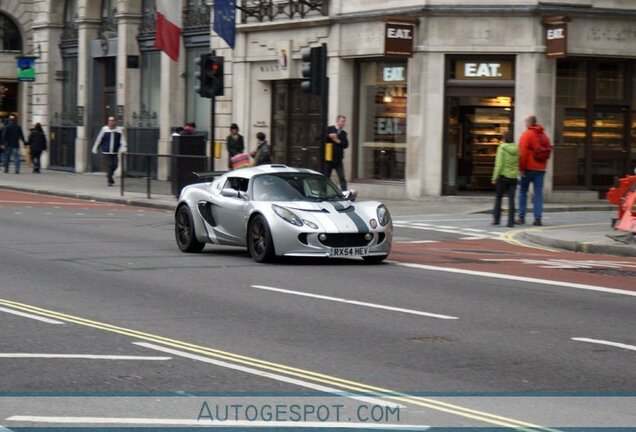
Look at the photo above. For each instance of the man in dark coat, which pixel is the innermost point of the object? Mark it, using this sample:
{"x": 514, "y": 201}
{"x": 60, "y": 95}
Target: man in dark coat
{"x": 37, "y": 144}
{"x": 11, "y": 137}
{"x": 337, "y": 137}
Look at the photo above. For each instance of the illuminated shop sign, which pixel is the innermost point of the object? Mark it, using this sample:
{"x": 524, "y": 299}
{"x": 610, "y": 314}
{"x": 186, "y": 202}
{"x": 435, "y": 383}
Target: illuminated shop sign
{"x": 480, "y": 70}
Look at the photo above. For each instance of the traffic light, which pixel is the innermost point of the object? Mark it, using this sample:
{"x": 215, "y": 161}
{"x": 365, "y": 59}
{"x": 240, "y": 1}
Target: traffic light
{"x": 209, "y": 76}
{"x": 313, "y": 69}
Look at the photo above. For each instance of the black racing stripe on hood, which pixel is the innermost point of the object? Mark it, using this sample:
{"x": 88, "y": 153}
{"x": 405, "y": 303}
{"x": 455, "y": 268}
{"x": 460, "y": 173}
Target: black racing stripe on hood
{"x": 355, "y": 217}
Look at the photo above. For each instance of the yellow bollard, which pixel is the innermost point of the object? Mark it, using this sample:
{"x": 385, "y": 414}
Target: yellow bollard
{"x": 217, "y": 149}
{"x": 328, "y": 152}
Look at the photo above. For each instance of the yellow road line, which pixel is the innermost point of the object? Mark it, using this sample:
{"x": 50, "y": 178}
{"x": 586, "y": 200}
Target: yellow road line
{"x": 283, "y": 369}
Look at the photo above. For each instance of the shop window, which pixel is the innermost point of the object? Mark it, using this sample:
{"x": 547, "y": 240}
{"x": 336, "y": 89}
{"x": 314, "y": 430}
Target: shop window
{"x": 382, "y": 121}
{"x": 150, "y": 82}
{"x": 610, "y": 80}
{"x": 9, "y": 35}
{"x": 570, "y": 126}
{"x": 571, "y": 89}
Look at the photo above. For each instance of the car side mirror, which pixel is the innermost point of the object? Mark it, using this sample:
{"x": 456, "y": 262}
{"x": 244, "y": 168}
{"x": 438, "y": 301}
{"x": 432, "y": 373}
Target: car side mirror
{"x": 351, "y": 194}
{"x": 230, "y": 193}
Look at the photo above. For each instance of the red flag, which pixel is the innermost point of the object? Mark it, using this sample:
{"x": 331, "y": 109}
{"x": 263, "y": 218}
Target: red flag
{"x": 168, "y": 37}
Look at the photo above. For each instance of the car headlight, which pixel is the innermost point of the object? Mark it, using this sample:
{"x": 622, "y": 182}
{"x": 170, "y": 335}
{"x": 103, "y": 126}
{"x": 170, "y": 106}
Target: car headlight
{"x": 310, "y": 224}
{"x": 288, "y": 215}
{"x": 383, "y": 215}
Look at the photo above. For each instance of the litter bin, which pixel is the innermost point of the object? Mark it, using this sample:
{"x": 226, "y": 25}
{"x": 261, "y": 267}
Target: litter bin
{"x": 182, "y": 167}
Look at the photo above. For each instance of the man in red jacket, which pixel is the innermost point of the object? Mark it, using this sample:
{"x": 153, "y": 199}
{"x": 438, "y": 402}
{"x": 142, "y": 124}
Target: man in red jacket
{"x": 531, "y": 171}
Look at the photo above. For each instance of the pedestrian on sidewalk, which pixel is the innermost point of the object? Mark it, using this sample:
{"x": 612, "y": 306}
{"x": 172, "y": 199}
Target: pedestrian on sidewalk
{"x": 111, "y": 141}
{"x": 234, "y": 143}
{"x": 11, "y": 137}
{"x": 263, "y": 153}
{"x": 337, "y": 138}
{"x": 504, "y": 177}
{"x": 534, "y": 152}
{"x": 37, "y": 144}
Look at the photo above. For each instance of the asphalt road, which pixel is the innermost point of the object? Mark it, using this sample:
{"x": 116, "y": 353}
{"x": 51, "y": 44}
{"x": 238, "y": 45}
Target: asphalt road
{"x": 109, "y": 281}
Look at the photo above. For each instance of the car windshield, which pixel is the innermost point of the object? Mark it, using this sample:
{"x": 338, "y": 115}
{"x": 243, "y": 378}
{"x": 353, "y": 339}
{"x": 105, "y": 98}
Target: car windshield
{"x": 295, "y": 187}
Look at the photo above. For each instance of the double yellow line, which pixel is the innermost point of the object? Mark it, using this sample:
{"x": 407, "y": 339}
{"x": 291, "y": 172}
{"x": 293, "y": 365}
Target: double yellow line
{"x": 345, "y": 385}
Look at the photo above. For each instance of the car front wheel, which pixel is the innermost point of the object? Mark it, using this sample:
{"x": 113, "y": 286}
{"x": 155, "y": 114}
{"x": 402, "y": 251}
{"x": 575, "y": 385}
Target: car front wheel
{"x": 184, "y": 231}
{"x": 259, "y": 240}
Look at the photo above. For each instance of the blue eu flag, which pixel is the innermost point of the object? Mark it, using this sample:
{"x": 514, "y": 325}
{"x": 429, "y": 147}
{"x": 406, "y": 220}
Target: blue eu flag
{"x": 225, "y": 20}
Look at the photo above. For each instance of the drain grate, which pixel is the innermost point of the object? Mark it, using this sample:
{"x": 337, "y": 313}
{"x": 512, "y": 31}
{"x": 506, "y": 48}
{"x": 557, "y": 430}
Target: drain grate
{"x": 430, "y": 340}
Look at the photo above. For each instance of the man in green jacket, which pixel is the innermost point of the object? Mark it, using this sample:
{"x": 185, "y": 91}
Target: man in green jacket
{"x": 504, "y": 177}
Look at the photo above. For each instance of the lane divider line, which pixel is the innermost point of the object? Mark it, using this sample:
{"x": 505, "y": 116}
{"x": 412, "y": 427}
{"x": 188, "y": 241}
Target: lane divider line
{"x": 31, "y": 316}
{"x": 354, "y": 302}
{"x": 211, "y": 423}
{"x": 515, "y": 278}
{"x": 82, "y": 356}
{"x": 604, "y": 342}
{"x": 314, "y": 376}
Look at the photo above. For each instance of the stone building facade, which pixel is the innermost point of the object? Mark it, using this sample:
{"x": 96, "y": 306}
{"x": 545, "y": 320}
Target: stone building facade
{"x": 421, "y": 123}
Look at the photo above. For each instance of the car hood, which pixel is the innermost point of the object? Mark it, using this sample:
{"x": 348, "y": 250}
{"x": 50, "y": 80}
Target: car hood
{"x": 336, "y": 216}
{"x": 316, "y": 206}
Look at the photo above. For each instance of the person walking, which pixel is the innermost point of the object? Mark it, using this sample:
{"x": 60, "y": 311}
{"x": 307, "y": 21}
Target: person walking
{"x": 504, "y": 177}
{"x": 111, "y": 141}
{"x": 234, "y": 144}
{"x": 37, "y": 144}
{"x": 11, "y": 137}
{"x": 534, "y": 152}
{"x": 337, "y": 137}
{"x": 263, "y": 153}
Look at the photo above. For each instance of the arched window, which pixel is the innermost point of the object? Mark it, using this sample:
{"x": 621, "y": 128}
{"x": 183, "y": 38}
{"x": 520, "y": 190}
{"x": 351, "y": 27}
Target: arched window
{"x": 10, "y": 39}
{"x": 69, "y": 34}
{"x": 108, "y": 27}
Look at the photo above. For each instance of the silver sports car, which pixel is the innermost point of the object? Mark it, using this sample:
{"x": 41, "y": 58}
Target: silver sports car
{"x": 274, "y": 210}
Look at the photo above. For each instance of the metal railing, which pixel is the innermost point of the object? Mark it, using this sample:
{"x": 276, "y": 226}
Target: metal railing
{"x": 178, "y": 171}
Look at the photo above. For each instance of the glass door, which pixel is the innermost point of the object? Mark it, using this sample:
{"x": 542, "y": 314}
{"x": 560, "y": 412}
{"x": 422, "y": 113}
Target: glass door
{"x": 609, "y": 153}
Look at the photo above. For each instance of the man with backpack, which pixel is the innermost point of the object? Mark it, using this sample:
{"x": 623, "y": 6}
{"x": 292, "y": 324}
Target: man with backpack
{"x": 534, "y": 151}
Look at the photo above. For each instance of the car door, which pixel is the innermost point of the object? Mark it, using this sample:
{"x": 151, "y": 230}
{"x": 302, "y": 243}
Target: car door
{"x": 230, "y": 211}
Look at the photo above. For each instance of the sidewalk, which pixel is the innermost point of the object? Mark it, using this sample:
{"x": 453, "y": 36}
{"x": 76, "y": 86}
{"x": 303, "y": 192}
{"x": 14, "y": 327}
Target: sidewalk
{"x": 589, "y": 238}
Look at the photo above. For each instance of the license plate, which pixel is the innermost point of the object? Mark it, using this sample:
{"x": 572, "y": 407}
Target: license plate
{"x": 349, "y": 251}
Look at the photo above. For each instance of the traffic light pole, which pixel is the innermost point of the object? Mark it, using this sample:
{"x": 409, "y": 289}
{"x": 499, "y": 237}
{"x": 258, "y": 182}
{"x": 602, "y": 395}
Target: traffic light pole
{"x": 212, "y": 124}
{"x": 324, "y": 103}
{"x": 212, "y": 128}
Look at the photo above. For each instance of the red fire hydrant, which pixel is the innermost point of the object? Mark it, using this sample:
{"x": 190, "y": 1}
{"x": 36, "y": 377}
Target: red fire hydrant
{"x": 624, "y": 196}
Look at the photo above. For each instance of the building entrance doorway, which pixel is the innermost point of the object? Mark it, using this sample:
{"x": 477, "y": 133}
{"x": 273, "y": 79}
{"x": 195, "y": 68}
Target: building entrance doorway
{"x": 105, "y": 97}
{"x": 476, "y": 126}
{"x": 296, "y": 132}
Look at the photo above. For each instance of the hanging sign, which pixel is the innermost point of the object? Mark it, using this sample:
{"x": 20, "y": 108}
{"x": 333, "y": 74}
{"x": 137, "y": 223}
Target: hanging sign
{"x": 26, "y": 68}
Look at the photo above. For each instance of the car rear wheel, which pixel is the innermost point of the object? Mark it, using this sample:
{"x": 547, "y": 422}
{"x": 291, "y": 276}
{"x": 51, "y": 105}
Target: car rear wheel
{"x": 259, "y": 240}
{"x": 374, "y": 259}
{"x": 184, "y": 231}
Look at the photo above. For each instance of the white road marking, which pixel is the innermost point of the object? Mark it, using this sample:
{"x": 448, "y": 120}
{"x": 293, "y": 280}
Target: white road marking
{"x": 211, "y": 423}
{"x": 28, "y": 315}
{"x": 354, "y": 302}
{"x": 474, "y": 230}
{"x": 517, "y": 278}
{"x": 603, "y": 342}
{"x": 269, "y": 375}
{"x": 462, "y": 231}
{"x": 420, "y": 241}
{"x": 475, "y": 238}
{"x": 84, "y": 356}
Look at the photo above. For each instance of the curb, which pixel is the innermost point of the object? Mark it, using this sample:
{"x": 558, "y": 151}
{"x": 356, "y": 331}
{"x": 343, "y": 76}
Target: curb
{"x": 583, "y": 247}
{"x": 83, "y": 196}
